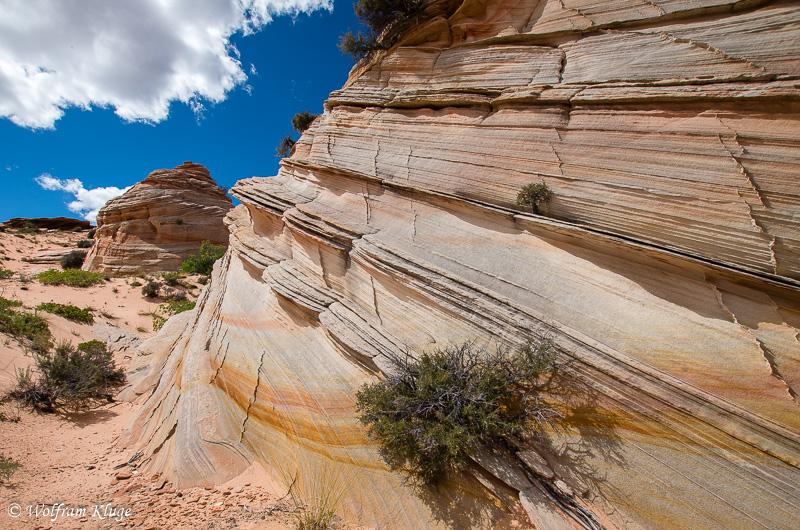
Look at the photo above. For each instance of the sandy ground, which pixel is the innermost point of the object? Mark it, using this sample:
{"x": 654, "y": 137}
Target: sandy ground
{"x": 68, "y": 460}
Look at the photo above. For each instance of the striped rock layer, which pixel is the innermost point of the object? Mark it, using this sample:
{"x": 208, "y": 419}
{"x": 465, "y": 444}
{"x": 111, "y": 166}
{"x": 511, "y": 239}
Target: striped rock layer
{"x": 158, "y": 223}
{"x": 666, "y": 268}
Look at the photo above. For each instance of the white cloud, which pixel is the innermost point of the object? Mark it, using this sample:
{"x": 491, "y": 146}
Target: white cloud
{"x": 88, "y": 202}
{"x": 134, "y": 56}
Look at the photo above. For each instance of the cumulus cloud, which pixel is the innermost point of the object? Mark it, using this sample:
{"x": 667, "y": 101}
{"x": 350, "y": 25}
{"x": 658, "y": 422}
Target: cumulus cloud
{"x": 87, "y": 202}
{"x": 134, "y": 56}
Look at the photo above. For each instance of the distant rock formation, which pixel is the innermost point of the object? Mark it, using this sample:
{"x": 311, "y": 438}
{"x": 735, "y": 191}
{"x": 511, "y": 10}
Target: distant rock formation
{"x": 667, "y": 269}
{"x": 52, "y": 257}
{"x": 48, "y": 223}
{"x": 159, "y": 222}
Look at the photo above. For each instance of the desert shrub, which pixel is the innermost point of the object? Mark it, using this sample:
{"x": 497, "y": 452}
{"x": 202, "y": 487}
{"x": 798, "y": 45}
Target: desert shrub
{"x": 171, "y": 278}
{"x": 203, "y": 262}
{"x": 176, "y": 295}
{"x": 85, "y": 243}
{"x": 22, "y": 324}
{"x": 203, "y": 279}
{"x": 69, "y": 376}
{"x": 13, "y": 416}
{"x": 533, "y": 194}
{"x": 68, "y": 311}
{"x": 73, "y": 260}
{"x": 300, "y": 122}
{"x": 359, "y": 45}
{"x": 30, "y": 391}
{"x": 431, "y": 412}
{"x": 70, "y": 277}
{"x": 166, "y": 310}
{"x": 91, "y": 233}
{"x": 284, "y": 148}
{"x": 178, "y": 221}
{"x": 315, "y": 494}
{"x": 5, "y": 303}
{"x": 377, "y": 15}
{"x": 5, "y": 273}
{"x": 150, "y": 289}
{"x": 303, "y": 120}
{"x": 7, "y": 467}
{"x": 136, "y": 283}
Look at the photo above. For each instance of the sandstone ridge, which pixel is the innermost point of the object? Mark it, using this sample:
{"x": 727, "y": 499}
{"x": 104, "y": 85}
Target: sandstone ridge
{"x": 667, "y": 269}
{"x": 159, "y": 222}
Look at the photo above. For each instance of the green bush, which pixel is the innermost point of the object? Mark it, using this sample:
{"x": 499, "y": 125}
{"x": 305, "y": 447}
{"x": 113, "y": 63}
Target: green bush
{"x": 5, "y": 303}
{"x": 300, "y": 122}
{"x": 70, "y": 277}
{"x": 136, "y": 283}
{"x": 377, "y": 15}
{"x": 91, "y": 233}
{"x": 68, "y": 311}
{"x": 150, "y": 289}
{"x": 5, "y": 273}
{"x": 85, "y": 243}
{"x": 69, "y": 376}
{"x": 284, "y": 148}
{"x": 22, "y": 324}
{"x": 431, "y": 412}
{"x": 7, "y": 467}
{"x": 73, "y": 260}
{"x": 203, "y": 263}
{"x": 172, "y": 307}
{"x": 171, "y": 278}
{"x": 303, "y": 120}
{"x": 359, "y": 45}
{"x": 533, "y": 194}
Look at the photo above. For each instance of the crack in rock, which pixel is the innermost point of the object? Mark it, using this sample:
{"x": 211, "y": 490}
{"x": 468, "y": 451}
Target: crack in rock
{"x": 255, "y": 392}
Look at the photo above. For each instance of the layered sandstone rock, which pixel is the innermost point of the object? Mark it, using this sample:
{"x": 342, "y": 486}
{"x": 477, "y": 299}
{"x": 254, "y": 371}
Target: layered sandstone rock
{"x": 667, "y": 269}
{"x": 48, "y": 223}
{"x": 159, "y": 222}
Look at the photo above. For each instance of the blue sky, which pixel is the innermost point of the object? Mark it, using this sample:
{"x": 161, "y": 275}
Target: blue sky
{"x": 290, "y": 64}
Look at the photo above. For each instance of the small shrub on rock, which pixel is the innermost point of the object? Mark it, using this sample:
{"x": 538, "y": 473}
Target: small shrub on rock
{"x": 5, "y": 273}
{"x": 91, "y": 233}
{"x": 377, "y": 15}
{"x": 285, "y": 146}
{"x": 73, "y": 260}
{"x": 533, "y": 194}
{"x": 432, "y": 411}
{"x": 303, "y": 120}
{"x": 85, "y": 243}
{"x": 151, "y": 289}
{"x": 358, "y": 45}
